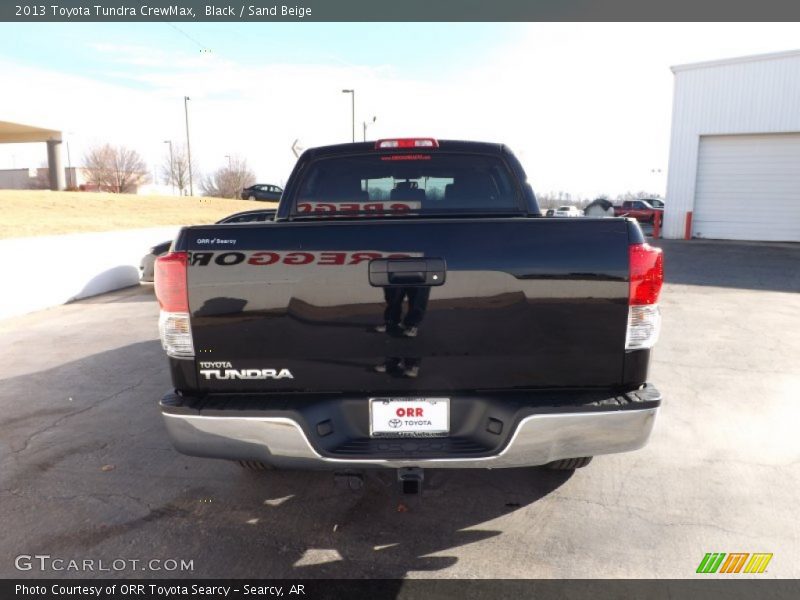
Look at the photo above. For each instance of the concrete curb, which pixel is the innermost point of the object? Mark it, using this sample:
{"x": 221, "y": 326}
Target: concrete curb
{"x": 40, "y": 272}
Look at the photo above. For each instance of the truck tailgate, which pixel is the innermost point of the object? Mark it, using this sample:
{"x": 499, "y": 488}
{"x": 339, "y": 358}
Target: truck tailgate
{"x": 525, "y": 303}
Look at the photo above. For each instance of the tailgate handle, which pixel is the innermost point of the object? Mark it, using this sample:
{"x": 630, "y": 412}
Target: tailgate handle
{"x": 389, "y": 272}
{"x": 407, "y": 278}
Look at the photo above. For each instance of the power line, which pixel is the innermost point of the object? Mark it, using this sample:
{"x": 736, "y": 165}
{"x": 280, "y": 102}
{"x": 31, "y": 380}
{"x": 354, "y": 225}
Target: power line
{"x": 203, "y": 49}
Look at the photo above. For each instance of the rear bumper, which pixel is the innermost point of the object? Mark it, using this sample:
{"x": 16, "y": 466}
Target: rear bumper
{"x": 286, "y": 442}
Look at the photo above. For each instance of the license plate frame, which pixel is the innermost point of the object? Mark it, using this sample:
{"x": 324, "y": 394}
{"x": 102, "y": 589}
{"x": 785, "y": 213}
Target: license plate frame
{"x": 438, "y": 409}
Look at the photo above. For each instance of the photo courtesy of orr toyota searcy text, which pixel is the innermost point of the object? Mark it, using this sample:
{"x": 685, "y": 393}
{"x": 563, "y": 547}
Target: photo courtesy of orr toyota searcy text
{"x": 159, "y": 590}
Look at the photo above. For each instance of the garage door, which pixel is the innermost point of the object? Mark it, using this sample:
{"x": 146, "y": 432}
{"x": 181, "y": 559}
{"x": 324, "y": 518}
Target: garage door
{"x": 748, "y": 188}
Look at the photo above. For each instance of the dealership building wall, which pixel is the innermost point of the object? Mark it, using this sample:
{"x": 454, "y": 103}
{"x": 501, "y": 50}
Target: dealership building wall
{"x": 735, "y": 149}
{"x": 38, "y": 179}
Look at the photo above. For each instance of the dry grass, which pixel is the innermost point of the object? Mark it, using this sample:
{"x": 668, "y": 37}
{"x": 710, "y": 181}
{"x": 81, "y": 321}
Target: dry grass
{"x": 28, "y": 213}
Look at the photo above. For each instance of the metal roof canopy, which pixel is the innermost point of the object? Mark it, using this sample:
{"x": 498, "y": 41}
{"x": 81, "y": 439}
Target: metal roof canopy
{"x": 17, "y": 133}
{"x": 11, "y": 133}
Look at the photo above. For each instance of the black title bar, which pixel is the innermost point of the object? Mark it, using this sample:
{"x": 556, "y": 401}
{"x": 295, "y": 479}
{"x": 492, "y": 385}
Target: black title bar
{"x": 398, "y": 10}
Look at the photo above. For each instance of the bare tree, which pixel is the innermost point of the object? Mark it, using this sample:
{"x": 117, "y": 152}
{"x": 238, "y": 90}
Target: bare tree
{"x": 177, "y": 173}
{"x": 42, "y": 179}
{"x": 228, "y": 182}
{"x": 115, "y": 168}
{"x": 636, "y": 195}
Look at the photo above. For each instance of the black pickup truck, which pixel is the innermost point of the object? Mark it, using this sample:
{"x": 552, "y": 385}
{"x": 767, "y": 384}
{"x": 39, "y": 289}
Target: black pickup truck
{"x": 407, "y": 307}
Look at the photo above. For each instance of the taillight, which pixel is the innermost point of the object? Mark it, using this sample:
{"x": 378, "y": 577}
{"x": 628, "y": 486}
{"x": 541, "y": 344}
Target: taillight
{"x": 647, "y": 274}
{"x": 170, "y": 282}
{"x": 174, "y": 324}
{"x": 646, "y": 265}
{"x": 406, "y": 143}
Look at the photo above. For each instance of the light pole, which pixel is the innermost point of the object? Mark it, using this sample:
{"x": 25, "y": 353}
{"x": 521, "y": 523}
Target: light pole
{"x": 353, "y": 109}
{"x": 171, "y": 167}
{"x": 366, "y": 125}
{"x": 188, "y": 146}
{"x": 70, "y": 179}
{"x": 70, "y": 176}
{"x": 228, "y": 156}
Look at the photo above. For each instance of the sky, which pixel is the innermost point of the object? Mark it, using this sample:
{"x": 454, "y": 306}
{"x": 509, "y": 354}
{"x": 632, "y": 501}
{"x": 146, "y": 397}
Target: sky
{"x": 585, "y": 106}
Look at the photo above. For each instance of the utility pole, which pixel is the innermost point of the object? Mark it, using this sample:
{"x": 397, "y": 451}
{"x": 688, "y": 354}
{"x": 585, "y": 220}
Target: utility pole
{"x": 188, "y": 146}
{"x": 171, "y": 167}
{"x": 71, "y": 180}
{"x": 353, "y": 109}
{"x": 228, "y": 156}
{"x": 365, "y": 124}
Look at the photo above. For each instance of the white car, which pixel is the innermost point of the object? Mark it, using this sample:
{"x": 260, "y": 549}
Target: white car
{"x": 567, "y": 211}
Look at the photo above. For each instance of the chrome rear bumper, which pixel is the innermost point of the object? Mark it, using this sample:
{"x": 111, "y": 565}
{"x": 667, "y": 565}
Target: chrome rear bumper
{"x": 538, "y": 439}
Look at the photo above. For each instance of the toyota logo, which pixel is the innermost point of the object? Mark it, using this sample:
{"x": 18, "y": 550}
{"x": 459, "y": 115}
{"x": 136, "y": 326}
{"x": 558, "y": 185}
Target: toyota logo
{"x": 395, "y": 423}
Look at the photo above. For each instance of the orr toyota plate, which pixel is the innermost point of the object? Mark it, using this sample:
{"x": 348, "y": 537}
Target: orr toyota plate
{"x": 409, "y": 417}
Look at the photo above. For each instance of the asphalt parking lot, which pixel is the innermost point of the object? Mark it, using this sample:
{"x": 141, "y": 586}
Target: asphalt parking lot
{"x": 86, "y": 471}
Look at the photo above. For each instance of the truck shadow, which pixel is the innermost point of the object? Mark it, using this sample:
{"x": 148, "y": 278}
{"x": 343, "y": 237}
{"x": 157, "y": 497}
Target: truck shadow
{"x": 377, "y": 532}
{"x": 88, "y": 454}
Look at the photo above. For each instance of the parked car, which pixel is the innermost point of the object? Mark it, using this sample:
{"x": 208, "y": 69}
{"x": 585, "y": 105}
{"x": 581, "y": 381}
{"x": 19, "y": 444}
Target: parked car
{"x": 262, "y": 191}
{"x": 655, "y": 203}
{"x": 641, "y": 210}
{"x": 550, "y": 212}
{"x": 567, "y": 211}
{"x": 440, "y": 328}
{"x": 147, "y": 263}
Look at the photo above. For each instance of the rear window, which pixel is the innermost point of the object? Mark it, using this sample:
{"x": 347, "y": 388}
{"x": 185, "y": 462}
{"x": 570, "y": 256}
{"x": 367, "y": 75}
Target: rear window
{"x": 407, "y": 183}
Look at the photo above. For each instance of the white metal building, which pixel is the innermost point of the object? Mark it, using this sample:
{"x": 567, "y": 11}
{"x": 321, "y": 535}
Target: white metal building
{"x": 735, "y": 149}
{"x": 38, "y": 178}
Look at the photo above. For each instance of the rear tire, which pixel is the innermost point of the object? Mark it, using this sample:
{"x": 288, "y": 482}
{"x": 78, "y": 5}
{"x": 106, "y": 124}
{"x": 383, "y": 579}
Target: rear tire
{"x": 569, "y": 464}
{"x": 251, "y": 198}
{"x": 254, "y": 465}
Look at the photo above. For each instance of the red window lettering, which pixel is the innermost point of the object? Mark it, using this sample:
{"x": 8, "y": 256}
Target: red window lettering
{"x": 331, "y": 258}
{"x": 359, "y": 257}
{"x": 307, "y": 207}
{"x": 229, "y": 258}
{"x": 298, "y": 258}
{"x": 264, "y": 258}
{"x": 200, "y": 258}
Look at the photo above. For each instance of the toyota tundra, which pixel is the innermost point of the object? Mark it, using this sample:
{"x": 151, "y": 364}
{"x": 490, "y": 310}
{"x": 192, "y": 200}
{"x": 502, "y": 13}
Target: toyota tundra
{"x": 407, "y": 307}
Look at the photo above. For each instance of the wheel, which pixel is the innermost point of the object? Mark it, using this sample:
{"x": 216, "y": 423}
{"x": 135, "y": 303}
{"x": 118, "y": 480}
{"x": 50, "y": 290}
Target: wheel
{"x": 253, "y": 465}
{"x": 569, "y": 464}
{"x": 251, "y": 197}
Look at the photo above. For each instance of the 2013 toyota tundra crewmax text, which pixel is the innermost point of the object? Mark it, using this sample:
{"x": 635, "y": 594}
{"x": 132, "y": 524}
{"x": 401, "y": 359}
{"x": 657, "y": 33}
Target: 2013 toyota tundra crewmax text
{"x": 408, "y": 308}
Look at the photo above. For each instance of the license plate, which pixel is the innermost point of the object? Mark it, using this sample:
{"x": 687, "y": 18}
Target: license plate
{"x": 409, "y": 417}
